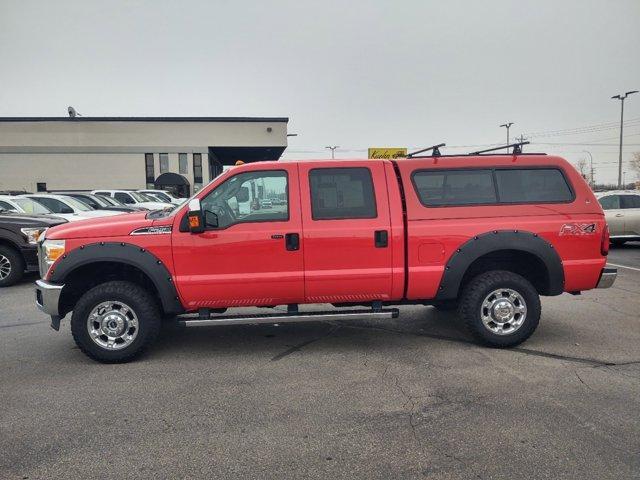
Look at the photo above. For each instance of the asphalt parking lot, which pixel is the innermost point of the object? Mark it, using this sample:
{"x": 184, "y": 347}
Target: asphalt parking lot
{"x": 409, "y": 398}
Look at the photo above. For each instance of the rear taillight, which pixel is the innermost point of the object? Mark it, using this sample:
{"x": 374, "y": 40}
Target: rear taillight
{"x": 604, "y": 245}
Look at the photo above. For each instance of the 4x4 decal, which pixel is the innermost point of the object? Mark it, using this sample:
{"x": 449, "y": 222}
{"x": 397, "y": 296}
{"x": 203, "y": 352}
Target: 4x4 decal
{"x": 578, "y": 229}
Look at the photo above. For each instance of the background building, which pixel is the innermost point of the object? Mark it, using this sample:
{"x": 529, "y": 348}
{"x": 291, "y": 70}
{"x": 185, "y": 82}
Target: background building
{"x": 87, "y": 153}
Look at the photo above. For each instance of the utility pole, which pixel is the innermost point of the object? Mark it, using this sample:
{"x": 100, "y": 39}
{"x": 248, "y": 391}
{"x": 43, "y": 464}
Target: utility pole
{"x": 333, "y": 149}
{"x": 508, "y": 126}
{"x": 621, "y": 98}
{"x": 590, "y": 166}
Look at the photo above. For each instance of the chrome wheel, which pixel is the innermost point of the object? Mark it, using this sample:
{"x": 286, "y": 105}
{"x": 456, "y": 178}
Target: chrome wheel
{"x": 5, "y": 267}
{"x": 112, "y": 325}
{"x": 503, "y": 311}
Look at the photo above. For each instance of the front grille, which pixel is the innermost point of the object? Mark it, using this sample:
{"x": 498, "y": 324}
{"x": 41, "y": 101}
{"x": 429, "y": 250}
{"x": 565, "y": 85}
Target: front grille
{"x": 42, "y": 266}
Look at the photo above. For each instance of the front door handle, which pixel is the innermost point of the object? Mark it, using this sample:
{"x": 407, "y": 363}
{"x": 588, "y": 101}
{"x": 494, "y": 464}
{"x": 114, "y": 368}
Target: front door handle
{"x": 381, "y": 238}
{"x": 292, "y": 241}
{"x": 618, "y": 215}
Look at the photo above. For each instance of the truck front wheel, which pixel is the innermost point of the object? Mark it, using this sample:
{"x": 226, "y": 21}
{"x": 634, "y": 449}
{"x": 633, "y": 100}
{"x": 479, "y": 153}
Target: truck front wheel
{"x": 115, "y": 322}
{"x": 500, "y": 308}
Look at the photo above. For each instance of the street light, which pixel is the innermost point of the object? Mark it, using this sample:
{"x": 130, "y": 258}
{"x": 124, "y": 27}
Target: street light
{"x": 621, "y": 98}
{"x": 333, "y": 149}
{"x": 508, "y": 126}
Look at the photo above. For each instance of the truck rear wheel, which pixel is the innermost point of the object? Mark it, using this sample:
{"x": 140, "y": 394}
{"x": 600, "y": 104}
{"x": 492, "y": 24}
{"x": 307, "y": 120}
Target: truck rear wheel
{"x": 115, "y": 322}
{"x": 11, "y": 266}
{"x": 500, "y": 308}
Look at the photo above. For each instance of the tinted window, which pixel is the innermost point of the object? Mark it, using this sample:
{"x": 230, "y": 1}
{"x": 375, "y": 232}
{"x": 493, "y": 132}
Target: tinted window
{"x": 630, "y": 201}
{"x": 149, "y": 169}
{"x": 455, "y": 187}
{"x": 164, "y": 162}
{"x": 250, "y": 197}
{"x": 338, "y": 193}
{"x": 183, "y": 164}
{"x": 6, "y": 206}
{"x": 532, "y": 185}
{"x": 123, "y": 197}
{"x": 87, "y": 200}
{"x": 610, "y": 202}
{"x": 56, "y": 206}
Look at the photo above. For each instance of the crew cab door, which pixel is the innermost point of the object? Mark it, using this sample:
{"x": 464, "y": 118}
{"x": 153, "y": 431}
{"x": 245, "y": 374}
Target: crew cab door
{"x": 254, "y": 256}
{"x": 347, "y": 237}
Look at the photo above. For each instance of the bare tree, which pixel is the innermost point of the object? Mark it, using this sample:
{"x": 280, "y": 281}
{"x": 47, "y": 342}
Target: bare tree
{"x": 582, "y": 167}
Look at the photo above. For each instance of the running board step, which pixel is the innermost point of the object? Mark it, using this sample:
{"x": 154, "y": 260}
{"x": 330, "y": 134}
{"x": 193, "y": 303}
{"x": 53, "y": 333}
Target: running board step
{"x": 291, "y": 317}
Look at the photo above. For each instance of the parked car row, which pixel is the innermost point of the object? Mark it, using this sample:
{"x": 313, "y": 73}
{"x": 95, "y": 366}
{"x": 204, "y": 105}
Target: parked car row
{"x": 25, "y": 216}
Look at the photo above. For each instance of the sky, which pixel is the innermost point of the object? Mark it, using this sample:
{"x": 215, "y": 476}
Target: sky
{"x": 355, "y": 74}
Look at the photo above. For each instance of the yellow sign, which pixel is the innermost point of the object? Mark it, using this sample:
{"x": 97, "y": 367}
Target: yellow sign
{"x": 386, "y": 152}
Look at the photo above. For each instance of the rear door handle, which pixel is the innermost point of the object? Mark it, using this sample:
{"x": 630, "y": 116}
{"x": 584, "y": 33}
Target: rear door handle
{"x": 619, "y": 214}
{"x": 292, "y": 241}
{"x": 381, "y": 238}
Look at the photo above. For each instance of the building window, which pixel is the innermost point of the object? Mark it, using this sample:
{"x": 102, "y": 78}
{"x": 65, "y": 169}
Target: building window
{"x": 183, "y": 163}
{"x": 164, "y": 162}
{"x": 41, "y": 187}
{"x": 149, "y": 169}
{"x": 197, "y": 171}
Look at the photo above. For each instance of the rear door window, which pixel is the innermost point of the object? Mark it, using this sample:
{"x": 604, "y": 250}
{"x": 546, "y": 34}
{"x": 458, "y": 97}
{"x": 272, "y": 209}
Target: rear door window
{"x": 630, "y": 201}
{"x": 610, "y": 202}
{"x": 538, "y": 185}
{"x": 341, "y": 193}
{"x": 455, "y": 187}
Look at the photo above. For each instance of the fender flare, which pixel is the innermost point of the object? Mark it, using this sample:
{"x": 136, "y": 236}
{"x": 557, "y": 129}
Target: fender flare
{"x": 486, "y": 243}
{"x": 128, "y": 254}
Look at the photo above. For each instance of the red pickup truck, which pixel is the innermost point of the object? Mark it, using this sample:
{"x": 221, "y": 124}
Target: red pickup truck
{"x": 486, "y": 234}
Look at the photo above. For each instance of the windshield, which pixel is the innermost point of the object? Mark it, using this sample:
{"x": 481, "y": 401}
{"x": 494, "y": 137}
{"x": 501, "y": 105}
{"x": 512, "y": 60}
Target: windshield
{"x": 29, "y": 206}
{"x": 102, "y": 201}
{"x": 140, "y": 197}
{"x": 110, "y": 201}
{"x": 77, "y": 204}
{"x": 161, "y": 195}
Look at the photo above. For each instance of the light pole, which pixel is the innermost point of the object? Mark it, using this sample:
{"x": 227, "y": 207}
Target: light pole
{"x": 621, "y": 98}
{"x": 333, "y": 149}
{"x": 507, "y": 126}
{"x": 590, "y": 166}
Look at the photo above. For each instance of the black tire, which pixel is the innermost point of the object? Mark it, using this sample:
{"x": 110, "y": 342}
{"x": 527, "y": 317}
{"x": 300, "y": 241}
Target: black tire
{"x": 11, "y": 257}
{"x": 446, "y": 305}
{"x": 478, "y": 289}
{"x": 138, "y": 299}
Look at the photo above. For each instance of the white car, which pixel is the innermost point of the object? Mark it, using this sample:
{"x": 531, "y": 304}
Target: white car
{"x": 622, "y": 212}
{"x": 22, "y": 205}
{"x": 132, "y": 198}
{"x": 67, "y": 207}
{"x": 164, "y": 196}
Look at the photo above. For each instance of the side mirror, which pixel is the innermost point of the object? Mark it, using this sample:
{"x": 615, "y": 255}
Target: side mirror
{"x": 243, "y": 195}
{"x": 210, "y": 219}
{"x": 196, "y": 219}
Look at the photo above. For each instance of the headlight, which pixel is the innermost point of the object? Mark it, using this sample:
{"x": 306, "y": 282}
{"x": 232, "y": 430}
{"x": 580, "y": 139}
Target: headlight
{"x": 33, "y": 234}
{"x": 52, "y": 250}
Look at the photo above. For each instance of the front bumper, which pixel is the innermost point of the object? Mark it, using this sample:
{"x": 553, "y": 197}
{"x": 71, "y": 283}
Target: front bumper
{"x": 47, "y": 300}
{"x": 607, "y": 277}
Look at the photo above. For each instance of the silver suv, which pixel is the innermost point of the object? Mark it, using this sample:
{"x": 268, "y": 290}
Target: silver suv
{"x": 622, "y": 212}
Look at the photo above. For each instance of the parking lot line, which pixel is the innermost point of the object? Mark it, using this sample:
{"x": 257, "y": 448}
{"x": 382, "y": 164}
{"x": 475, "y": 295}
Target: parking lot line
{"x": 624, "y": 266}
